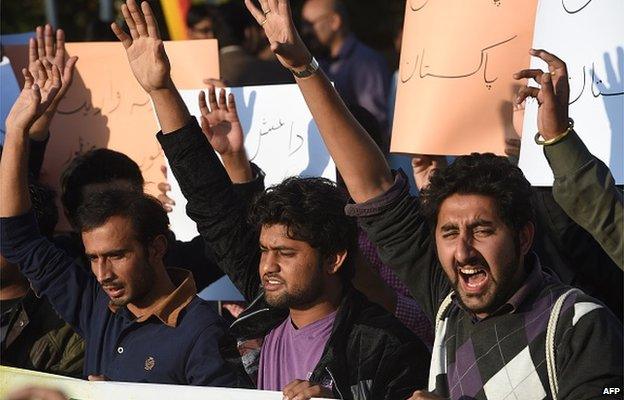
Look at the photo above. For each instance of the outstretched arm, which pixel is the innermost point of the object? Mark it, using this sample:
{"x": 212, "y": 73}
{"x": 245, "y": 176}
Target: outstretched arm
{"x": 150, "y": 65}
{"x": 584, "y": 186}
{"x": 32, "y": 102}
{"x": 359, "y": 160}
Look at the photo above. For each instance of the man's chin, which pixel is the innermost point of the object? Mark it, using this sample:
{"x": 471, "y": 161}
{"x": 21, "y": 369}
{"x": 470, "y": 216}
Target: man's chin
{"x": 120, "y": 302}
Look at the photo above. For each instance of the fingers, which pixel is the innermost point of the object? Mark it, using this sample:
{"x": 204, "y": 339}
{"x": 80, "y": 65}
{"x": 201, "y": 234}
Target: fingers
{"x": 264, "y": 4}
{"x": 283, "y": 7}
{"x": 28, "y": 79}
{"x": 203, "y": 107}
{"x": 123, "y": 37}
{"x": 548, "y": 90}
{"x": 215, "y": 82}
{"x": 40, "y": 42}
{"x": 129, "y": 21}
{"x": 32, "y": 51}
{"x": 212, "y": 98}
{"x": 222, "y": 105}
{"x": 231, "y": 105}
{"x": 255, "y": 12}
{"x": 37, "y": 393}
{"x": 205, "y": 125}
{"x": 137, "y": 16}
{"x": 526, "y": 92}
{"x": 535, "y": 74}
{"x": 152, "y": 26}
{"x": 59, "y": 56}
{"x": 68, "y": 71}
{"x": 48, "y": 38}
{"x": 552, "y": 60}
{"x": 272, "y": 6}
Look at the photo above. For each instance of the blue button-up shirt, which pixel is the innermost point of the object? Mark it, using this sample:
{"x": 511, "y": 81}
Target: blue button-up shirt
{"x": 362, "y": 77}
{"x": 118, "y": 345}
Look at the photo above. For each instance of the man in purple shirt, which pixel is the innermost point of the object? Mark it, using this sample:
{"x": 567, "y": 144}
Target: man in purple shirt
{"x": 361, "y": 74}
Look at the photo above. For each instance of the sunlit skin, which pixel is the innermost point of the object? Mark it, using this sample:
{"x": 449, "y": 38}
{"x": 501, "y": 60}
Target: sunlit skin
{"x": 295, "y": 276}
{"x": 471, "y": 237}
{"x": 131, "y": 274}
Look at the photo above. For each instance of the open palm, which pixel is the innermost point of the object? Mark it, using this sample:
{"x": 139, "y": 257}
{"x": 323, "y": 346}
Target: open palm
{"x": 144, "y": 48}
{"x": 220, "y": 122}
{"x": 34, "y": 99}
{"x": 276, "y": 19}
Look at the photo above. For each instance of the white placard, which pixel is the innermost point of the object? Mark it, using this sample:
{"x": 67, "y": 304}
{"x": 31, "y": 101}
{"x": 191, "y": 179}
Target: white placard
{"x": 280, "y": 137}
{"x": 589, "y": 36}
{"x": 9, "y": 91}
{"x": 13, "y": 378}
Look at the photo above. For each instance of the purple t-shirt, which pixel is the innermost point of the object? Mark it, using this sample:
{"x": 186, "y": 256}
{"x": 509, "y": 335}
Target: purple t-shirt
{"x": 289, "y": 353}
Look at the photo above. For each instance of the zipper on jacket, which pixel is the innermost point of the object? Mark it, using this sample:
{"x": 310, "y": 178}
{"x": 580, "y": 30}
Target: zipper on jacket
{"x": 335, "y": 383}
{"x": 248, "y": 315}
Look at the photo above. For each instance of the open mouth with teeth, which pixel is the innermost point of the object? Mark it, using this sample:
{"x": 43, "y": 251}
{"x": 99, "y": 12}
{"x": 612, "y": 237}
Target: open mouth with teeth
{"x": 473, "y": 279}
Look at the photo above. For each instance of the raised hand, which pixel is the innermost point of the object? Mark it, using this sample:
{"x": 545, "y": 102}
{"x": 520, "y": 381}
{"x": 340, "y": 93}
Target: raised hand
{"x": 35, "y": 98}
{"x": 220, "y": 122}
{"x": 145, "y": 50}
{"x": 552, "y": 97}
{"x": 276, "y": 19}
{"x": 45, "y": 48}
{"x": 423, "y": 166}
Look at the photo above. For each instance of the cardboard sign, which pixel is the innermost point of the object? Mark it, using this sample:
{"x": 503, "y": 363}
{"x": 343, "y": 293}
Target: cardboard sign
{"x": 455, "y": 87}
{"x": 106, "y": 107}
{"x": 12, "y": 379}
{"x": 280, "y": 137}
{"x": 589, "y": 36}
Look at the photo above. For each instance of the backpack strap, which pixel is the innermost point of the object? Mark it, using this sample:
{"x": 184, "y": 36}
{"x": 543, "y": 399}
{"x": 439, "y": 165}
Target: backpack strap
{"x": 550, "y": 341}
{"x": 444, "y": 307}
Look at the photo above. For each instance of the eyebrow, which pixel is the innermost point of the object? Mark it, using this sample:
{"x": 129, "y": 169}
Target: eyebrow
{"x": 115, "y": 252}
{"x": 476, "y": 223}
{"x": 277, "y": 247}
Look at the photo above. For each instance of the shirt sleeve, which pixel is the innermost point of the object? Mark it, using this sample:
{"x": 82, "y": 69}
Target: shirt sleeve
{"x": 585, "y": 189}
{"x": 206, "y": 367}
{"x": 393, "y": 222}
{"x": 220, "y": 215}
{"x": 588, "y": 352}
{"x": 70, "y": 289}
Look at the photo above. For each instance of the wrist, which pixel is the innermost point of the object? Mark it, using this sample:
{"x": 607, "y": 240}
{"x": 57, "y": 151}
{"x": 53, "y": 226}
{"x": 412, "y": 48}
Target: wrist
{"x": 237, "y": 166}
{"x": 166, "y": 88}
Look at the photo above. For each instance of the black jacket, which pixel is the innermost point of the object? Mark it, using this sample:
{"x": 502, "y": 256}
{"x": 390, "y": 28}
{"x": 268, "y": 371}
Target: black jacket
{"x": 369, "y": 355}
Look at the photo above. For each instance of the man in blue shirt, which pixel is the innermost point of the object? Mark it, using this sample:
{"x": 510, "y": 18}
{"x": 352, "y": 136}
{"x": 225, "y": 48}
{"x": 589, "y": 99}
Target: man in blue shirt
{"x": 361, "y": 74}
{"x": 141, "y": 321}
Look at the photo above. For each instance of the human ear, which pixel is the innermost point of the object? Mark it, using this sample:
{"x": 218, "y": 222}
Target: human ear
{"x": 158, "y": 247}
{"x": 525, "y": 236}
{"x": 335, "y": 261}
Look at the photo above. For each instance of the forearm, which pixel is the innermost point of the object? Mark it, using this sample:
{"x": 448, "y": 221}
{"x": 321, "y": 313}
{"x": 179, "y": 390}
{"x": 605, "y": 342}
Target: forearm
{"x": 237, "y": 167}
{"x": 359, "y": 160}
{"x": 170, "y": 109}
{"x": 585, "y": 189}
{"x": 14, "y": 174}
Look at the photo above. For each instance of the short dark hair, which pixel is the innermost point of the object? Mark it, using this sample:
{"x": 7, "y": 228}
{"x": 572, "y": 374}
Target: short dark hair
{"x": 229, "y": 28}
{"x": 44, "y": 207}
{"x": 146, "y": 214}
{"x": 96, "y": 166}
{"x": 200, "y": 12}
{"x": 484, "y": 174}
{"x": 312, "y": 209}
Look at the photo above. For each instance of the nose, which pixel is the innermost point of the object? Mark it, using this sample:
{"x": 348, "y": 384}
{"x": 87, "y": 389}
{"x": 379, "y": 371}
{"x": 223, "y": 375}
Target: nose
{"x": 268, "y": 262}
{"x": 464, "y": 250}
{"x": 101, "y": 270}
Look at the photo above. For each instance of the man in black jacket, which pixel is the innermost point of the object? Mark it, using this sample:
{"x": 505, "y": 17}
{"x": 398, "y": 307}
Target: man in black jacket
{"x": 298, "y": 294}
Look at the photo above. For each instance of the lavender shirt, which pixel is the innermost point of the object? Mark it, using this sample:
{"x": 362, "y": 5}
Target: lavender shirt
{"x": 289, "y": 353}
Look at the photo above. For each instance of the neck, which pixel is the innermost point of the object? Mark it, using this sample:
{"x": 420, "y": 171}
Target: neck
{"x": 337, "y": 43}
{"x": 322, "y": 307}
{"x": 162, "y": 287}
{"x": 13, "y": 286}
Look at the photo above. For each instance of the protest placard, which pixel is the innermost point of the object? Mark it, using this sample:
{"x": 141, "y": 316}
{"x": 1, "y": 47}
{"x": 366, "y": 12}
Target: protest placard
{"x": 589, "y": 36}
{"x": 106, "y": 107}
{"x": 280, "y": 137}
{"x": 455, "y": 85}
{"x": 9, "y": 91}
